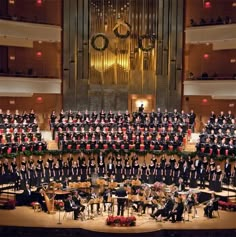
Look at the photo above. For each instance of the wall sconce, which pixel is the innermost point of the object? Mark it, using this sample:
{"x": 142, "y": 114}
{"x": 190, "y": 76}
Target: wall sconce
{"x": 207, "y": 4}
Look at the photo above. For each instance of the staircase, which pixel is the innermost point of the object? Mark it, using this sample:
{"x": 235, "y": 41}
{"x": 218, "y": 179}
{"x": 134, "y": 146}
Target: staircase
{"x": 190, "y": 147}
{"x": 52, "y": 145}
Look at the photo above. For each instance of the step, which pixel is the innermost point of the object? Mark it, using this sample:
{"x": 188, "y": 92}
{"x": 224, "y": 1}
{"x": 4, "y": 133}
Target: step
{"x": 52, "y": 145}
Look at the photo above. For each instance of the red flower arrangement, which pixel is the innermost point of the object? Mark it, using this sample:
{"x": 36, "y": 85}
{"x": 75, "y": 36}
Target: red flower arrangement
{"x": 121, "y": 221}
{"x": 58, "y": 204}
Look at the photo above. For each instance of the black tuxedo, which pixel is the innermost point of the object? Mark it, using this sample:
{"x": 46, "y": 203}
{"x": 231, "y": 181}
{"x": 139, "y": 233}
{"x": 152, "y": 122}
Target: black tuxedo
{"x": 227, "y": 170}
{"x": 121, "y": 193}
{"x": 70, "y": 206}
{"x": 202, "y": 177}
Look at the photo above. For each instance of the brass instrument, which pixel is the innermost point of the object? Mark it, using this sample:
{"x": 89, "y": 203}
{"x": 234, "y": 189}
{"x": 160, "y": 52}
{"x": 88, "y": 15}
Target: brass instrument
{"x": 112, "y": 185}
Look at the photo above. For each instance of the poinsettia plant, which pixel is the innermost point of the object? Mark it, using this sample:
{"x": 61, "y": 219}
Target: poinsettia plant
{"x": 121, "y": 220}
{"x": 58, "y": 204}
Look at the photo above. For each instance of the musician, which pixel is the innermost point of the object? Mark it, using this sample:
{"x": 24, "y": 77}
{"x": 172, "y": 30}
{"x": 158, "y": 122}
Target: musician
{"x": 168, "y": 174}
{"x": 185, "y": 173}
{"x": 110, "y": 167}
{"x": 180, "y": 186}
{"x": 84, "y": 172}
{"x": 177, "y": 211}
{"x": 218, "y": 179}
{"x": 144, "y": 173}
{"x": 176, "y": 174}
{"x": 190, "y": 201}
{"x": 107, "y": 199}
{"x": 65, "y": 183}
{"x": 118, "y": 172}
{"x": 71, "y": 206}
{"x": 209, "y": 208}
{"x": 77, "y": 199}
{"x": 165, "y": 210}
{"x": 94, "y": 196}
{"x": 27, "y": 195}
{"x": 193, "y": 177}
{"x": 152, "y": 172}
{"x": 227, "y": 171}
{"x": 202, "y": 176}
{"x": 121, "y": 194}
{"x": 212, "y": 177}
{"x": 101, "y": 169}
{"x": 159, "y": 172}
{"x": 127, "y": 170}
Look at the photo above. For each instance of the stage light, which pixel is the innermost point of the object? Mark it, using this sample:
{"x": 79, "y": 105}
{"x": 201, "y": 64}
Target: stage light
{"x": 204, "y": 100}
{"x": 206, "y": 56}
{"x": 207, "y": 4}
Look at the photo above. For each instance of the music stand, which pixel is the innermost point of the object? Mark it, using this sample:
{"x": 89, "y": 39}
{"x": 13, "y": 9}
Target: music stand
{"x": 59, "y": 218}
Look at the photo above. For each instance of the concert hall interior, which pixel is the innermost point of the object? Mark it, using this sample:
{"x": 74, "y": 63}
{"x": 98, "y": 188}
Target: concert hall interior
{"x": 117, "y": 117}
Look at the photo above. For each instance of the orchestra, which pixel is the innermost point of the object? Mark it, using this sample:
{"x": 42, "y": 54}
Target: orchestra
{"x": 100, "y": 181}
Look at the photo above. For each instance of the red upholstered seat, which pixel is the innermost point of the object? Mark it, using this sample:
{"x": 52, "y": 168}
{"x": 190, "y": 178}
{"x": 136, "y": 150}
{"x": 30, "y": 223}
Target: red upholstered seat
{"x": 142, "y": 147}
{"x": 122, "y": 146}
{"x": 226, "y": 152}
{"x": 88, "y": 147}
{"x": 180, "y": 148}
{"x": 151, "y": 147}
{"x": 9, "y": 150}
{"x": 40, "y": 148}
{"x": 189, "y": 132}
{"x": 211, "y": 150}
{"x": 161, "y": 148}
{"x": 202, "y": 149}
{"x": 78, "y": 147}
{"x": 170, "y": 148}
{"x": 105, "y": 146}
{"x": 69, "y": 147}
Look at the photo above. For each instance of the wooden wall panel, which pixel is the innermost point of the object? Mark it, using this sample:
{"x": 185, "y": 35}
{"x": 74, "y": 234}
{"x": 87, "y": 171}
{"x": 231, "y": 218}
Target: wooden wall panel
{"x": 31, "y": 11}
{"x": 203, "y": 110}
{"x": 218, "y": 61}
{"x": 48, "y": 65}
{"x": 195, "y": 10}
{"x": 43, "y": 109}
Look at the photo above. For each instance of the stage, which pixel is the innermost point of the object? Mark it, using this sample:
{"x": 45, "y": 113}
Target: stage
{"x": 25, "y": 218}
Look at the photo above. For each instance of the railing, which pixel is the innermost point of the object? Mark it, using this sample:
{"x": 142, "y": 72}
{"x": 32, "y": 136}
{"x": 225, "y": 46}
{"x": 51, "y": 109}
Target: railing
{"x": 25, "y": 19}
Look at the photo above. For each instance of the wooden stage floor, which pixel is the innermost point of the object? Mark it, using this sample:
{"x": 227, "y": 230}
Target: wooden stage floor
{"x": 26, "y": 217}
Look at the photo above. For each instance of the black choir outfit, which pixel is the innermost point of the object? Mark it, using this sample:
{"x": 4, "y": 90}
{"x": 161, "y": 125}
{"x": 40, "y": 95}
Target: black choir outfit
{"x": 119, "y": 172}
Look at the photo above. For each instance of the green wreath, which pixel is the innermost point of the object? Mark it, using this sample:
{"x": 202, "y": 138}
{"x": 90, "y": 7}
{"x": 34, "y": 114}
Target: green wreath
{"x": 150, "y": 46}
{"x": 126, "y": 25}
{"x": 105, "y": 42}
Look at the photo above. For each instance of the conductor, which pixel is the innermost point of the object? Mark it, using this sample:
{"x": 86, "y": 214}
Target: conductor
{"x": 121, "y": 198}
{"x": 141, "y": 109}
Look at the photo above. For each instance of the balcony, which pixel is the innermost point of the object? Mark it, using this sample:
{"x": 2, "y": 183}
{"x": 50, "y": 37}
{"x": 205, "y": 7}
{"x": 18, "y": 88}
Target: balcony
{"x": 23, "y": 34}
{"x": 26, "y": 87}
{"x": 217, "y": 89}
{"x": 222, "y": 36}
